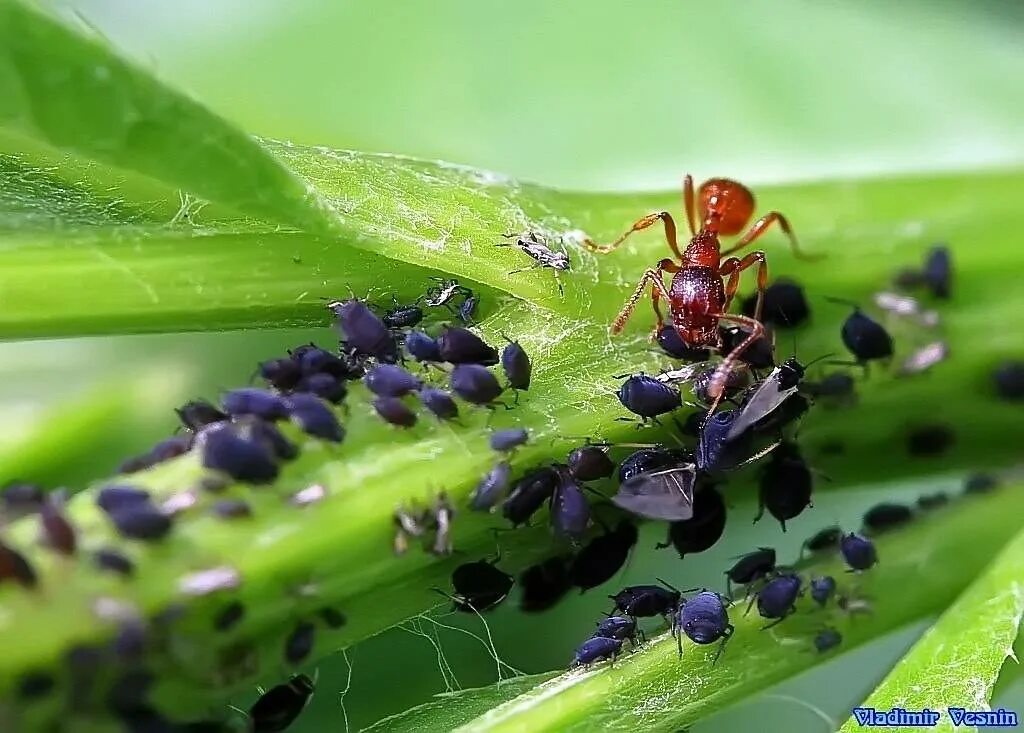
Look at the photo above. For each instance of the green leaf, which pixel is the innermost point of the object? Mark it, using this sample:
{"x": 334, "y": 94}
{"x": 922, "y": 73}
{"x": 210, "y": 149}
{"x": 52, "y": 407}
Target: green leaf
{"x": 958, "y": 660}
{"x": 654, "y": 690}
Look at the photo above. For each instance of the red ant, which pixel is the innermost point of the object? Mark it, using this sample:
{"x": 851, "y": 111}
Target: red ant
{"x": 698, "y": 298}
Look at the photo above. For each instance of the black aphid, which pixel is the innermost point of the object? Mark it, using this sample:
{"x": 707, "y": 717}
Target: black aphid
{"x": 596, "y": 649}
{"x": 491, "y": 488}
{"x": 777, "y": 598}
{"x": 33, "y": 685}
{"x": 767, "y": 397}
{"x": 938, "y": 271}
{"x": 930, "y": 440}
{"x": 299, "y": 643}
{"x": 759, "y": 355}
{"x": 645, "y": 601}
{"x": 252, "y": 401}
{"x": 617, "y": 627}
{"x": 827, "y": 639}
{"x": 650, "y": 459}
{"x": 590, "y": 463}
{"x": 479, "y": 586}
{"x": 333, "y": 618}
{"x": 823, "y": 539}
{"x": 666, "y": 494}
{"x": 459, "y": 345}
{"x": 834, "y": 390}
{"x": 274, "y": 440}
{"x": 57, "y": 531}
{"x": 1009, "y": 380}
{"x": 704, "y": 619}
{"x": 314, "y": 417}
{"x": 529, "y": 494}
{"x": 736, "y": 381}
{"x": 141, "y": 522}
{"x": 468, "y": 308}
{"x": 229, "y": 616}
{"x": 822, "y": 589}
{"x": 932, "y": 501}
{"x": 517, "y": 367}
{"x": 402, "y": 316}
{"x": 197, "y": 414}
{"x": 231, "y": 509}
{"x": 673, "y": 345}
{"x": 715, "y": 452}
{"x": 165, "y": 450}
{"x": 323, "y": 385}
{"x": 701, "y": 531}
{"x": 647, "y": 397}
{"x": 314, "y": 360}
{"x": 112, "y": 498}
{"x": 20, "y": 498}
{"x": 980, "y": 483}
{"x": 394, "y": 411}
{"x": 504, "y": 441}
{"x": 244, "y": 459}
{"x": 785, "y": 305}
{"x": 570, "y": 511}
{"x": 475, "y": 383}
{"x": 858, "y": 552}
{"x": 112, "y": 560}
{"x": 422, "y": 347}
{"x": 751, "y": 567}
{"x": 282, "y": 373}
{"x": 865, "y": 337}
{"x": 886, "y": 516}
{"x": 603, "y": 557}
{"x": 439, "y": 402}
{"x": 278, "y": 707}
{"x": 786, "y": 485}
{"x": 14, "y": 566}
{"x": 544, "y": 584}
{"x": 364, "y": 332}
{"x": 390, "y": 380}
{"x": 535, "y": 247}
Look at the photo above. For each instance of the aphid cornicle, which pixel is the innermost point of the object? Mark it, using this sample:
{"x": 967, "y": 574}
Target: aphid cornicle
{"x": 647, "y": 397}
{"x": 822, "y": 589}
{"x": 475, "y": 384}
{"x": 394, "y": 411}
{"x": 439, "y": 402}
{"x": 645, "y": 601}
{"x": 544, "y": 584}
{"x": 701, "y": 531}
{"x": 886, "y": 516}
{"x": 504, "y": 441}
{"x": 597, "y": 649}
{"x": 422, "y": 347}
{"x": 458, "y": 345}
{"x": 777, "y": 598}
{"x": 751, "y": 567}
{"x": 617, "y": 627}
{"x": 479, "y": 586}
{"x": 590, "y": 463}
{"x": 1008, "y": 379}
{"x": 390, "y": 380}
{"x": 858, "y": 552}
{"x": 601, "y": 558}
{"x": 278, "y": 707}
{"x": 536, "y": 248}
{"x": 786, "y": 485}
{"x": 704, "y": 619}
{"x": 785, "y": 305}
{"x": 827, "y": 639}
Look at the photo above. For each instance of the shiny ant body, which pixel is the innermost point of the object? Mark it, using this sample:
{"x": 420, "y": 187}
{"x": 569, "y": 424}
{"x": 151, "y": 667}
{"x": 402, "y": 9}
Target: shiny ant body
{"x": 699, "y": 296}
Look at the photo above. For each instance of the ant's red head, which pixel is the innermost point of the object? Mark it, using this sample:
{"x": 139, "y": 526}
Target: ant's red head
{"x": 727, "y": 205}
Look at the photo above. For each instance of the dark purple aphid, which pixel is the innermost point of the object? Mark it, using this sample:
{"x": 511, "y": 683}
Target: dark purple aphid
{"x": 333, "y": 618}
{"x": 701, "y": 531}
{"x": 390, "y": 380}
{"x": 112, "y": 560}
{"x": 299, "y": 643}
{"x": 439, "y": 402}
{"x": 57, "y": 530}
{"x": 403, "y": 316}
{"x": 165, "y": 450}
{"x": 394, "y": 411}
{"x": 823, "y": 539}
{"x": 365, "y": 333}
{"x": 244, "y": 459}
{"x": 479, "y": 586}
{"x": 282, "y": 373}
{"x": 759, "y": 355}
{"x": 1008, "y": 378}
{"x": 932, "y": 501}
{"x": 645, "y": 601}
{"x": 504, "y": 441}
{"x": 543, "y": 585}
{"x": 197, "y": 414}
{"x": 751, "y": 567}
{"x": 491, "y": 487}
{"x": 529, "y": 494}
{"x": 822, "y": 589}
{"x": 14, "y": 566}
{"x": 468, "y": 308}
{"x": 777, "y": 598}
{"x": 268, "y": 434}
{"x": 315, "y": 418}
{"x": 603, "y": 557}
{"x": 785, "y": 305}
{"x": 671, "y": 343}
{"x": 590, "y": 463}
{"x": 517, "y": 367}
{"x": 278, "y": 707}
{"x": 252, "y": 401}
{"x": 231, "y": 509}
{"x": 459, "y": 345}
{"x": 666, "y": 494}
{"x": 314, "y": 360}
{"x": 649, "y": 459}
{"x": 786, "y": 485}
{"x": 704, "y": 619}
{"x": 475, "y": 384}
{"x": 735, "y": 382}
{"x": 229, "y": 616}
{"x": 858, "y": 552}
{"x": 980, "y": 483}
{"x": 617, "y": 627}
{"x": 865, "y": 338}
{"x": 647, "y": 397}
{"x": 570, "y": 511}
{"x": 886, "y": 516}
{"x": 112, "y": 498}
{"x": 930, "y": 440}
{"x": 596, "y": 649}
{"x": 938, "y": 271}
{"x": 717, "y": 453}
{"x": 21, "y": 498}
{"x": 141, "y": 522}
{"x": 422, "y": 347}
{"x": 827, "y": 639}
{"x": 323, "y": 385}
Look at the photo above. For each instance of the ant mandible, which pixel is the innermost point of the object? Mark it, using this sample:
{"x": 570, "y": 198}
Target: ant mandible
{"x": 698, "y": 298}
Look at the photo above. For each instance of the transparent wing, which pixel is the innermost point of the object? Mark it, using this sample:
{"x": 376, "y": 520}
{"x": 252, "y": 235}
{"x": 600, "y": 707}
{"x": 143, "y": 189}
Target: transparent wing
{"x": 666, "y": 495}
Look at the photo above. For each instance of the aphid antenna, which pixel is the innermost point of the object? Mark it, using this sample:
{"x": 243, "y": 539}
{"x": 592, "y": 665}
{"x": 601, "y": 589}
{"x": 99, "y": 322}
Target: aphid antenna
{"x": 668, "y": 585}
{"x": 812, "y": 362}
{"x": 843, "y": 301}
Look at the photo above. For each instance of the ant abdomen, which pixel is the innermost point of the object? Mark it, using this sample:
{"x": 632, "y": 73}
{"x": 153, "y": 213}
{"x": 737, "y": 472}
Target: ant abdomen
{"x": 727, "y": 205}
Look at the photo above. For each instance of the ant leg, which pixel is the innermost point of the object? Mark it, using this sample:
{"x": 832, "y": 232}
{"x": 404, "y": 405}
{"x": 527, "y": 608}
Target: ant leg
{"x": 650, "y": 276}
{"x": 688, "y": 203}
{"x": 734, "y": 266}
{"x": 639, "y": 225}
{"x": 716, "y": 387}
{"x": 665, "y": 265}
{"x": 759, "y": 228}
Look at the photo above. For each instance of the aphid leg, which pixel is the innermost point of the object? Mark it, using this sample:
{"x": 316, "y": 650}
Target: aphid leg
{"x": 726, "y": 635}
{"x": 558, "y": 282}
{"x": 716, "y": 388}
{"x": 688, "y": 203}
{"x": 759, "y": 228}
{"x": 734, "y": 266}
{"x": 639, "y": 225}
{"x": 650, "y": 276}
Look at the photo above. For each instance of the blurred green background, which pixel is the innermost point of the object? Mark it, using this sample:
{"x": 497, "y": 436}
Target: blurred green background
{"x": 576, "y": 94}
